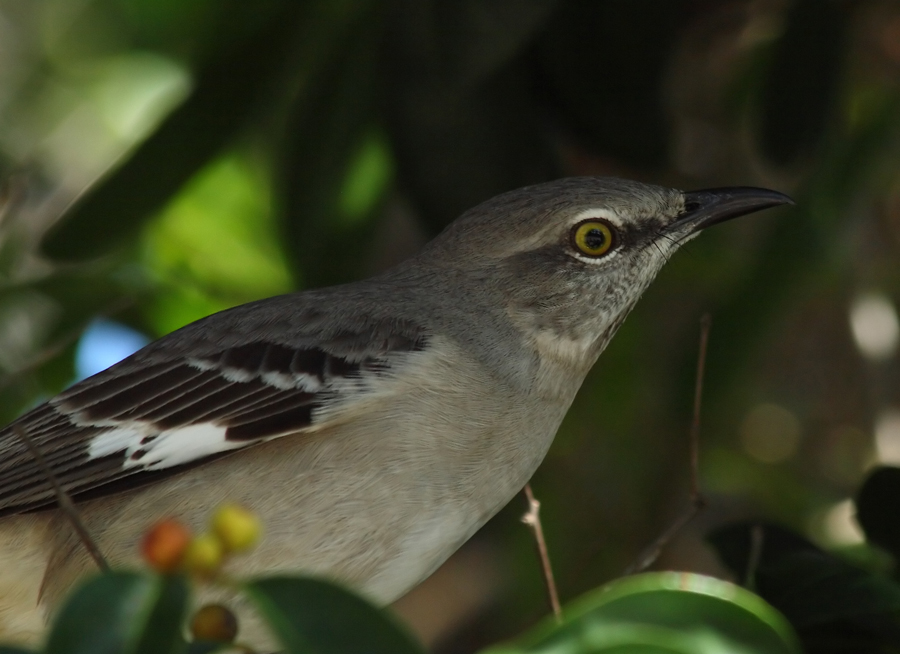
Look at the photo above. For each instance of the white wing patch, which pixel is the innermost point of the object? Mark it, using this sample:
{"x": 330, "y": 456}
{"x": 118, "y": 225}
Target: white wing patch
{"x": 148, "y": 448}
{"x": 280, "y": 380}
{"x": 301, "y": 382}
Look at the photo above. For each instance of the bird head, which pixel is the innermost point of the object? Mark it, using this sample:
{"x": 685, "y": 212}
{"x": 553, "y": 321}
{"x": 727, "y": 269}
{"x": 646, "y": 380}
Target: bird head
{"x": 571, "y": 257}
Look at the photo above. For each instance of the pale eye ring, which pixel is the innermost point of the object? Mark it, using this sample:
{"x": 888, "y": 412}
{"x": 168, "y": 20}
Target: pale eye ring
{"x": 593, "y": 237}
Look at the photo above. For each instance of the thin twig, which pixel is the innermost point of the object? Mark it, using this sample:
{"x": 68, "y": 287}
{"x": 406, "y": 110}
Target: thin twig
{"x": 652, "y": 552}
{"x": 532, "y": 518}
{"x": 698, "y": 502}
{"x": 65, "y": 502}
{"x": 705, "y": 323}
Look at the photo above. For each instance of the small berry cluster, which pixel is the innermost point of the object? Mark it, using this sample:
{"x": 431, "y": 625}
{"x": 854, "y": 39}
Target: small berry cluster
{"x": 170, "y": 547}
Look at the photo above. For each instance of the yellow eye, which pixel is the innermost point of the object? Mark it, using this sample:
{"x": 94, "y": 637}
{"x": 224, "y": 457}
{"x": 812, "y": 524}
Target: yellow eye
{"x": 593, "y": 237}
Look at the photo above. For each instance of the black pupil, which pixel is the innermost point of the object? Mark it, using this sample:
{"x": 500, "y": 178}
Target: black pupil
{"x": 595, "y": 239}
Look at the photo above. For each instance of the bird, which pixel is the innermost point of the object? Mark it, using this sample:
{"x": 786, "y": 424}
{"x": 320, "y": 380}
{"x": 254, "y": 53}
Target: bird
{"x": 373, "y": 426}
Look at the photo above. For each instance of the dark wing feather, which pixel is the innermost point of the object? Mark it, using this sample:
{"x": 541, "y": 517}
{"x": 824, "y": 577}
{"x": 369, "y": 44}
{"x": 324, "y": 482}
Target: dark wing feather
{"x": 250, "y": 392}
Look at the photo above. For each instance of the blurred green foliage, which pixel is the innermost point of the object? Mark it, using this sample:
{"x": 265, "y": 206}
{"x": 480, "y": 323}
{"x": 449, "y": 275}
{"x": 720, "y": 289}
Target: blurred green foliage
{"x": 654, "y": 613}
{"x": 163, "y": 160}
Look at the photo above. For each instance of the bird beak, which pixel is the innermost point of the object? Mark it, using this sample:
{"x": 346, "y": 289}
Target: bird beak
{"x": 703, "y": 209}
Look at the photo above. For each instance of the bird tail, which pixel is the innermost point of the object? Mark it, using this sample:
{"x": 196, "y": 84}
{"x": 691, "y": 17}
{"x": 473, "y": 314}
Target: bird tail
{"x": 23, "y": 560}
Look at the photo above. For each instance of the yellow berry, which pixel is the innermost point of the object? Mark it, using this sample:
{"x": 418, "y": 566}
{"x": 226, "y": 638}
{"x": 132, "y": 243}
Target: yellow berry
{"x": 215, "y": 623}
{"x": 204, "y": 555}
{"x": 238, "y": 528}
{"x": 164, "y": 545}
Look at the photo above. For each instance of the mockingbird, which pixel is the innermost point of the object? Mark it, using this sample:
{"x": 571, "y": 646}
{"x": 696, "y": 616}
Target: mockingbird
{"x": 373, "y": 426}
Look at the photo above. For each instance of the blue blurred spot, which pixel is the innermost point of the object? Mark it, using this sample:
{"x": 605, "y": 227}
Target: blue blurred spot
{"x": 104, "y": 343}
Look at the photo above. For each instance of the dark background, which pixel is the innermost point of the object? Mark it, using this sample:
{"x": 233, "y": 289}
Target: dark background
{"x": 224, "y": 150}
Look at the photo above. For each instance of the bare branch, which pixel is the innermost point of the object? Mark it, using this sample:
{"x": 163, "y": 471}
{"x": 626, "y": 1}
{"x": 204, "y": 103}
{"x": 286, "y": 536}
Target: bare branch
{"x": 705, "y": 324}
{"x": 532, "y": 518}
{"x": 65, "y": 502}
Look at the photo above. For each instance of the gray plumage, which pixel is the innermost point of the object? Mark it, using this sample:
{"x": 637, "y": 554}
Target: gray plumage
{"x": 374, "y": 426}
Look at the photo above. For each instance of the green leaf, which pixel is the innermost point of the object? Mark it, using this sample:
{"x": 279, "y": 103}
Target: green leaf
{"x": 310, "y": 616}
{"x": 122, "y": 613}
{"x": 876, "y": 509}
{"x": 6, "y": 649}
{"x": 163, "y": 632}
{"x": 663, "y": 612}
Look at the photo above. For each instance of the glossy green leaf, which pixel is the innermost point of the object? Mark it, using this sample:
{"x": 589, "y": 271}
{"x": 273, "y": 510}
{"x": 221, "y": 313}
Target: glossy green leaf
{"x": 876, "y": 509}
{"x": 163, "y": 629}
{"x": 122, "y": 613}
{"x": 310, "y": 616}
{"x": 663, "y": 613}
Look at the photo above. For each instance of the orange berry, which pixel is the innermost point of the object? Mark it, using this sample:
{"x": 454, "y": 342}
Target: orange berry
{"x": 215, "y": 623}
{"x": 164, "y": 545}
{"x": 204, "y": 555}
{"x": 238, "y": 528}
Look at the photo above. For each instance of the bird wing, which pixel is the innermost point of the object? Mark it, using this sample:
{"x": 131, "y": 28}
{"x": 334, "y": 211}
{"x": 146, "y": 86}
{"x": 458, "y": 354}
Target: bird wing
{"x": 162, "y": 411}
